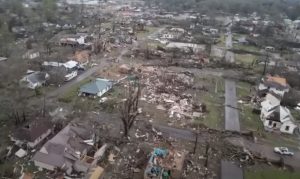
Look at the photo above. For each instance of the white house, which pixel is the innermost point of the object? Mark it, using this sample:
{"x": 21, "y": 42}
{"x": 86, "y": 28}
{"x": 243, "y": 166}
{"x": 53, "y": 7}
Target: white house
{"x": 183, "y": 46}
{"x": 35, "y": 79}
{"x": 70, "y": 66}
{"x": 168, "y": 36}
{"x": 276, "y": 117}
{"x": 31, "y": 55}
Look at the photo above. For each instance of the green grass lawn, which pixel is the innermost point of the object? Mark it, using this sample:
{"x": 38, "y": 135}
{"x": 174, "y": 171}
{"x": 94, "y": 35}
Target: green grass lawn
{"x": 70, "y": 95}
{"x": 214, "y": 101}
{"x": 215, "y": 116}
{"x": 250, "y": 48}
{"x": 222, "y": 40}
{"x": 246, "y": 60}
{"x": 272, "y": 173}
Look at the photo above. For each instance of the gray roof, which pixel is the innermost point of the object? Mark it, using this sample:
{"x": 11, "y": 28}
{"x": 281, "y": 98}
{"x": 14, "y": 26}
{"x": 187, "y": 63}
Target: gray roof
{"x": 62, "y": 148}
{"x": 37, "y": 77}
{"x": 31, "y": 131}
{"x": 96, "y": 86}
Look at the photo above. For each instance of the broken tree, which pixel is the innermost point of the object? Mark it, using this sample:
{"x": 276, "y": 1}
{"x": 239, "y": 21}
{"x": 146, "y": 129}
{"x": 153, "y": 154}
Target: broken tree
{"x": 129, "y": 106}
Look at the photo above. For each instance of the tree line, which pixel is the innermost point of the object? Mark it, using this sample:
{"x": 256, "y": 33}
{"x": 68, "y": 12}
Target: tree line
{"x": 275, "y": 8}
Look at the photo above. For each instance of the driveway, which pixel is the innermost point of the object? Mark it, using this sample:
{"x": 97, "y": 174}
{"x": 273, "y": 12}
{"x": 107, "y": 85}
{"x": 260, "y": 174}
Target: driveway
{"x": 232, "y": 122}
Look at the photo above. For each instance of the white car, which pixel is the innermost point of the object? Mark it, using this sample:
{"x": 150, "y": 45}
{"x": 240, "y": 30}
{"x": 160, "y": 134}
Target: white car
{"x": 283, "y": 151}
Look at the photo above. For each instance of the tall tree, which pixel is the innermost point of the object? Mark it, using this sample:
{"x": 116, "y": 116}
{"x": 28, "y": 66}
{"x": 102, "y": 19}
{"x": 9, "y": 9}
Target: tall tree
{"x": 129, "y": 107}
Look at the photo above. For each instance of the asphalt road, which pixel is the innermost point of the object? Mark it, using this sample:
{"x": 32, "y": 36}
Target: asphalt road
{"x": 232, "y": 122}
{"x": 266, "y": 151}
{"x": 64, "y": 88}
{"x": 182, "y": 134}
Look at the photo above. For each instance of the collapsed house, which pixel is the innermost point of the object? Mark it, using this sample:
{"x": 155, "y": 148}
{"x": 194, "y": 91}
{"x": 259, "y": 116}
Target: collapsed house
{"x": 164, "y": 164}
{"x": 78, "y": 40}
{"x": 70, "y": 68}
{"x": 275, "y": 84}
{"x": 82, "y": 57}
{"x": 276, "y": 117}
{"x": 67, "y": 150}
{"x": 33, "y": 133}
{"x": 34, "y": 80}
{"x": 96, "y": 88}
{"x": 167, "y": 90}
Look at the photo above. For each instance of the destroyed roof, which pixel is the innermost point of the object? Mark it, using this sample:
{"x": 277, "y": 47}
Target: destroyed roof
{"x": 66, "y": 146}
{"x": 81, "y": 56}
{"x": 96, "y": 86}
{"x": 96, "y": 173}
{"x": 50, "y": 159}
{"x": 37, "y": 77}
{"x": 277, "y": 82}
{"x": 70, "y": 64}
{"x": 33, "y": 130}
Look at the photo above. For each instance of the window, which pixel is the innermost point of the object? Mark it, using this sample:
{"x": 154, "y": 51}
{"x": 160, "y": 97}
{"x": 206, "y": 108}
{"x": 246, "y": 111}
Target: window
{"x": 274, "y": 124}
{"x": 287, "y": 128}
{"x": 270, "y": 123}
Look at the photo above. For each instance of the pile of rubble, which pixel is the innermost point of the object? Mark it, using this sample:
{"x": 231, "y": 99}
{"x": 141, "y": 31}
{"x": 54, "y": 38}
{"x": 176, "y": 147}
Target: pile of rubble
{"x": 167, "y": 90}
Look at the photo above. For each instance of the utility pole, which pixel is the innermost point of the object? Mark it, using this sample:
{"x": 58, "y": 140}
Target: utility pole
{"x": 265, "y": 66}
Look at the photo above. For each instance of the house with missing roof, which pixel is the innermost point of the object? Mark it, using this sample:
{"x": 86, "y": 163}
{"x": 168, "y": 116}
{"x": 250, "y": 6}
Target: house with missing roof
{"x": 275, "y": 84}
{"x": 96, "y": 88}
{"x": 32, "y": 133}
{"x": 70, "y": 67}
{"x": 67, "y": 150}
{"x": 34, "y": 80}
{"x": 276, "y": 117}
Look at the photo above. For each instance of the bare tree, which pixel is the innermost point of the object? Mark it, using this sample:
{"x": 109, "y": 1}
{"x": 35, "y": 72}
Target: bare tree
{"x": 129, "y": 106}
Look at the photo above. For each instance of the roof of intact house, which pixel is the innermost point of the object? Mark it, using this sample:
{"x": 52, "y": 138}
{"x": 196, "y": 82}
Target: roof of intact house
{"x": 31, "y": 131}
{"x": 96, "y": 86}
{"x": 66, "y": 147}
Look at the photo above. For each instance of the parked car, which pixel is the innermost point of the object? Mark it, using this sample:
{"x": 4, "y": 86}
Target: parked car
{"x": 283, "y": 151}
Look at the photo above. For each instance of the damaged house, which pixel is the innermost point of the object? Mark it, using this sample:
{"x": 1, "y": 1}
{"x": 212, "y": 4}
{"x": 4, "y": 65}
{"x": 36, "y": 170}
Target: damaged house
{"x": 70, "y": 68}
{"x": 78, "y": 40}
{"x": 34, "y": 80}
{"x": 66, "y": 150}
{"x": 275, "y": 84}
{"x": 32, "y": 133}
{"x": 276, "y": 117}
{"x": 164, "y": 164}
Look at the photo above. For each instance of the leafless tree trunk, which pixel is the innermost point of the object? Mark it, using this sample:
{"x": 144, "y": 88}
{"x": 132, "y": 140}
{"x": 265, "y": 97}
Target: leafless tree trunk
{"x": 129, "y": 107}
